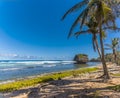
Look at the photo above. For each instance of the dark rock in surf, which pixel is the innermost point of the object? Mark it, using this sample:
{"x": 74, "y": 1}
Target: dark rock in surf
{"x": 81, "y": 58}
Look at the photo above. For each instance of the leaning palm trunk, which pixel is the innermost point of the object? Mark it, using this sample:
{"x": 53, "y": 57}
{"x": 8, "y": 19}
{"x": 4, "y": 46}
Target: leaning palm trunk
{"x": 96, "y": 42}
{"x": 105, "y": 69}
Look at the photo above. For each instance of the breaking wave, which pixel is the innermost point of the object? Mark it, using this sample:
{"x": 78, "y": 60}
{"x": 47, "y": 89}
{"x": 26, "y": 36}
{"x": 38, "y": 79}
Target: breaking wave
{"x": 18, "y": 65}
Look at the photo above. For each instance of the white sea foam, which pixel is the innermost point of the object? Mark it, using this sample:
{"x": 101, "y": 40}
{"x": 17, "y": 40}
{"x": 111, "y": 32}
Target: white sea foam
{"x": 68, "y": 62}
{"x": 30, "y": 62}
{"x": 37, "y": 62}
{"x": 17, "y": 65}
{"x": 8, "y": 81}
{"x": 50, "y": 65}
{"x": 10, "y": 69}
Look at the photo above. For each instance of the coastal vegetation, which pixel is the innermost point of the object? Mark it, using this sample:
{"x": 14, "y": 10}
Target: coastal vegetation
{"x": 102, "y": 15}
{"x": 110, "y": 57}
{"x": 95, "y": 60}
{"x": 115, "y": 88}
{"x": 114, "y": 46}
{"x": 42, "y": 79}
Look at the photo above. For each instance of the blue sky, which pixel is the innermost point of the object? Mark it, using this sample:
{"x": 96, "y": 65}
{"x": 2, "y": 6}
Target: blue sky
{"x": 33, "y": 28}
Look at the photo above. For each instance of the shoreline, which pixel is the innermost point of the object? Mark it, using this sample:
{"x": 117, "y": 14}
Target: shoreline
{"x": 39, "y": 75}
{"x": 42, "y": 79}
{"x": 85, "y": 79}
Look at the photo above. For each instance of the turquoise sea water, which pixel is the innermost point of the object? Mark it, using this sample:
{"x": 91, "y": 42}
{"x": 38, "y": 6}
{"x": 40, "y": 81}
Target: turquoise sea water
{"x": 15, "y": 69}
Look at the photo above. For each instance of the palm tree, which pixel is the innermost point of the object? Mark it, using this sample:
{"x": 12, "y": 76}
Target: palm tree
{"x": 92, "y": 29}
{"x": 114, "y": 46}
{"x": 104, "y": 12}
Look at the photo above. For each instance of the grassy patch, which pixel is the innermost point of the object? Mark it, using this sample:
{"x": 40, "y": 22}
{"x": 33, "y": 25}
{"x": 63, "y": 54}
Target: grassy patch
{"x": 115, "y": 88}
{"x": 31, "y": 82}
{"x": 117, "y": 74}
{"x": 96, "y": 94}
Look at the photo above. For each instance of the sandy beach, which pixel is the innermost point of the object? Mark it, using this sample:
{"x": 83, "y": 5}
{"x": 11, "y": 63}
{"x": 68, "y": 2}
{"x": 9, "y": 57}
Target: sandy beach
{"x": 60, "y": 49}
{"x": 81, "y": 86}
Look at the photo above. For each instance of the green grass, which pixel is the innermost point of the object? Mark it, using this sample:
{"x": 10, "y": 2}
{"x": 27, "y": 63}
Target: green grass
{"x": 34, "y": 81}
{"x": 96, "y": 94}
{"x": 117, "y": 74}
{"x": 115, "y": 88}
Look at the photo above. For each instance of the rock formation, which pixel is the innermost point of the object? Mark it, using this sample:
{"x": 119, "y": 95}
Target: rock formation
{"x": 81, "y": 58}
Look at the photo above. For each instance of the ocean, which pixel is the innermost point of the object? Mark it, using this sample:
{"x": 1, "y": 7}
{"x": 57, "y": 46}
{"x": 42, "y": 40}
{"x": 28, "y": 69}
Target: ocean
{"x": 16, "y": 69}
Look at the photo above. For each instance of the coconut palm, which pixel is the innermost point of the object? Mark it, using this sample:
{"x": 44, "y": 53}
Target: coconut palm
{"x": 91, "y": 29}
{"x": 114, "y": 46}
{"x": 104, "y": 12}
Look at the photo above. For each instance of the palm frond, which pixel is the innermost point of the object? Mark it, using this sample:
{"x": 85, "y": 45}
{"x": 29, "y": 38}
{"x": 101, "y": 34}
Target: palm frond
{"x": 103, "y": 34}
{"x": 105, "y": 10}
{"x": 75, "y": 8}
{"x": 80, "y": 32}
{"x": 76, "y": 22}
{"x": 111, "y": 28}
{"x": 84, "y": 18}
{"x": 115, "y": 6}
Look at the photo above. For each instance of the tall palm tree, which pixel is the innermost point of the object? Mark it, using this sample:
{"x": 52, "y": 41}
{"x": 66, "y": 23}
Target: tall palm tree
{"x": 91, "y": 29}
{"x": 104, "y": 12}
{"x": 114, "y": 46}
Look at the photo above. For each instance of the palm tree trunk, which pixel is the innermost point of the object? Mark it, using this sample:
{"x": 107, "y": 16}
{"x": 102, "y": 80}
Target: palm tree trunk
{"x": 98, "y": 49}
{"x": 115, "y": 56}
{"x": 105, "y": 69}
